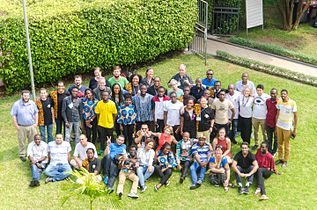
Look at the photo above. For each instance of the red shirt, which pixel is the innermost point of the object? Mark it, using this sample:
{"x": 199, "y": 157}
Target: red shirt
{"x": 265, "y": 161}
{"x": 271, "y": 112}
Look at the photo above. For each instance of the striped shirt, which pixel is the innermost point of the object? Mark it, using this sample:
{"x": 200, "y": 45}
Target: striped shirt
{"x": 286, "y": 115}
{"x": 203, "y": 151}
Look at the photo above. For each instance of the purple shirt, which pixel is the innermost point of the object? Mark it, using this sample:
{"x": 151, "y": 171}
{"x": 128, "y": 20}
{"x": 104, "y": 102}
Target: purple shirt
{"x": 24, "y": 112}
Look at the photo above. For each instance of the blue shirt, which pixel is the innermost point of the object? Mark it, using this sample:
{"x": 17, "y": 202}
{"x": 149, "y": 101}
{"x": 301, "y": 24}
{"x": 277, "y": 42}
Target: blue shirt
{"x": 222, "y": 164}
{"x": 209, "y": 83}
{"x": 116, "y": 149}
{"x": 24, "y": 112}
{"x": 203, "y": 152}
{"x": 143, "y": 107}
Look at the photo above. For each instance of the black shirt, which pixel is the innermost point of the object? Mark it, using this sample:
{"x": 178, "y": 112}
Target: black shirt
{"x": 94, "y": 165}
{"x": 244, "y": 162}
{"x": 206, "y": 115}
{"x": 60, "y": 98}
{"x": 47, "y": 111}
{"x": 93, "y": 83}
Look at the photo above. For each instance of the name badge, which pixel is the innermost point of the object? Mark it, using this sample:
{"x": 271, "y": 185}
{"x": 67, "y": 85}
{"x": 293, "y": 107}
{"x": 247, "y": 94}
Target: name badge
{"x": 206, "y": 116}
{"x": 198, "y": 118}
{"x": 71, "y": 105}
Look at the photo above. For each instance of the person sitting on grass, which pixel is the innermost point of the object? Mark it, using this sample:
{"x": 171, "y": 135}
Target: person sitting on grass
{"x": 166, "y": 163}
{"x": 244, "y": 165}
{"x": 92, "y": 164}
{"x": 266, "y": 168}
{"x": 128, "y": 164}
{"x": 80, "y": 151}
{"x": 37, "y": 154}
{"x": 165, "y": 137}
{"x": 146, "y": 157}
{"x": 219, "y": 169}
{"x": 183, "y": 155}
{"x": 59, "y": 157}
{"x": 108, "y": 163}
{"x": 201, "y": 154}
{"x": 224, "y": 143}
{"x": 142, "y": 135}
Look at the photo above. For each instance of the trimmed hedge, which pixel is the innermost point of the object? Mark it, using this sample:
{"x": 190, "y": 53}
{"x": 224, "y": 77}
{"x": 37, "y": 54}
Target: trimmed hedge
{"x": 266, "y": 68}
{"x": 101, "y": 33}
{"x": 274, "y": 49}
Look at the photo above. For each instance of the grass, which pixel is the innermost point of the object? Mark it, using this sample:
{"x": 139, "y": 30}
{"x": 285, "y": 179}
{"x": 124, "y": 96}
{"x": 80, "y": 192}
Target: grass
{"x": 294, "y": 189}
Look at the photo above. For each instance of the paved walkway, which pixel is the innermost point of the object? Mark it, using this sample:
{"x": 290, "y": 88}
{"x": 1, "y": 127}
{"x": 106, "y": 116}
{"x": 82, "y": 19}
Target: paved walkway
{"x": 214, "y": 45}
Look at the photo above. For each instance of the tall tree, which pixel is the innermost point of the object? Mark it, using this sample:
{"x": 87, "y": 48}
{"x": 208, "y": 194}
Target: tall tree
{"x": 286, "y": 8}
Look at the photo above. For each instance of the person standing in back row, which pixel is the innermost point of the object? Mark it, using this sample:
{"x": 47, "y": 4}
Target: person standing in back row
{"x": 285, "y": 129}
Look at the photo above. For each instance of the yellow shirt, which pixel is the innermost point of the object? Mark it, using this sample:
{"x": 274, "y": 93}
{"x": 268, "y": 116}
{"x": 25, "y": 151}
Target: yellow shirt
{"x": 106, "y": 112}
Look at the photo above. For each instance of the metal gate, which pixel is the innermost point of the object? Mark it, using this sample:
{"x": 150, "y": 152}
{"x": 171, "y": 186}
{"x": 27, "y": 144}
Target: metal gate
{"x": 199, "y": 43}
{"x": 225, "y": 20}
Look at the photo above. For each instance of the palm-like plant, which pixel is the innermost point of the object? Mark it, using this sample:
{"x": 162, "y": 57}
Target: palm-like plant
{"x": 87, "y": 185}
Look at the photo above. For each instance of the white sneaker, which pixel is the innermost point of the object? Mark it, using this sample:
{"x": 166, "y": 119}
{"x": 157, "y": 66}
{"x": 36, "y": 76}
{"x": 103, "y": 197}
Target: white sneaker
{"x": 143, "y": 188}
{"x": 263, "y": 197}
{"x": 257, "y": 191}
{"x": 133, "y": 195}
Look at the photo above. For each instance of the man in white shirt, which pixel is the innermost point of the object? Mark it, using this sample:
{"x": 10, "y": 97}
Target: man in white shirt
{"x": 259, "y": 114}
{"x": 80, "y": 151}
{"x": 172, "y": 115}
{"x": 245, "y": 82}
{"x": 59, "y": 156}
{"x": 233, "y": 96}
{"x": 37, "y": 154}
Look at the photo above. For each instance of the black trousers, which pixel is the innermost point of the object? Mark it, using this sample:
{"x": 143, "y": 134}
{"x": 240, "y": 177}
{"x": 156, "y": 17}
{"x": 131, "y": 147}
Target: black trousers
{"x": 160, "y": 126}
{"x": 60, "y": 125}
{"x": 128, "y": 132}
{"x": 245, "y": 125}
{"x": 164, "y": 175}
{"x": 91, "y": 133}
{"x": 117, "y": 128}
{"x": 103, "y": 134}
{"x": 261, "y": 174}
{"x": 271, "y": 140}
{"x": 185, "y": 166}
{"x": 109, "y": 169}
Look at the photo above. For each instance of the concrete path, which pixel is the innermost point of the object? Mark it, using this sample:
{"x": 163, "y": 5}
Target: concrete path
{"x": 214, "y": 45}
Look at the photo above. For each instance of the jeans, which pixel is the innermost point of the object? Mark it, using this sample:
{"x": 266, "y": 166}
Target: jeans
{"x": 164, "y": 175}
{"x": 128, "y": 132}
{"x": 49, "y": 129}
{"x": 109, "y": 169}
{"x": 76, "y": 127}
{"x": 58, "y": 172}
{"x": 143, "y": 174}
{"x": 243, "y": 170}
{"x": 60, "y": 124}
{"x": 217, "y": 178}
{"x": 103, "y": 134}
{"x": 272, "y": 141}
{"x": 234, "y": 130}
{"x": 260, "y": 175}
{"x": 36, "y": 172}
{"x": 193, "y": 172}
{"x": 185, "y": 165}
{"x": 245, "y": 128}
{"x": 91, "y": 133}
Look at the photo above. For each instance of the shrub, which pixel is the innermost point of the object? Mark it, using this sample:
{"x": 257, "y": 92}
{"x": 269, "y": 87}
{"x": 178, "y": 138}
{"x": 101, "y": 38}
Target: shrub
{"x": 274, "y": 49}
{"x": 74, "y": 36}
{"x": 266, "y": 68}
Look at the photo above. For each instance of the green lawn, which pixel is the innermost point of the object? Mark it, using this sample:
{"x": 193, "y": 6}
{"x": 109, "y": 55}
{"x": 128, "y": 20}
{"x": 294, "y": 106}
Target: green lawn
{"x": 294, "y": 189}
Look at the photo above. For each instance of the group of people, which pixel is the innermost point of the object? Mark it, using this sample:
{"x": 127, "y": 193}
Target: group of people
{"x": 189, "y": 127}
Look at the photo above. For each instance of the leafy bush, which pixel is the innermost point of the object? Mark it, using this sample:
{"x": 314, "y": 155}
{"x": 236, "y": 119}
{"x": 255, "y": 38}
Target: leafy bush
{"x": 74, "y": 36}
{"x": 266, "y": 68}
{"x": 274, "y": 49}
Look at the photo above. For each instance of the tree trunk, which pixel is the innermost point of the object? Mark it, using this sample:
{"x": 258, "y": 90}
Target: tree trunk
{"x": 301, "y": 11}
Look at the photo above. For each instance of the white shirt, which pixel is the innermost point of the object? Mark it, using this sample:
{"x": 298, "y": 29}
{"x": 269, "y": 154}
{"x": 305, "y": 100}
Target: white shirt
{"x": 173, "y": 112}
{"x": 146, "y": 157}
{"x": 240, "y": 86}
{"x": 159, "y": 109}
{"x": 37, "y": 151}
{"x": 59, "y": 152}
{"x": 259, "y": 106}
{"x": 235, "y": 100}
{"x": 81, "y": 151}
{"x": 245, "y": 106}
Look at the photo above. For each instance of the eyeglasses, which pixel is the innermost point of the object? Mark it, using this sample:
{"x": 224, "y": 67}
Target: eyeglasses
{"x": 143, "y": 128}
{"x": 244, "y": 148}
{"x": 173, "y": 96}
{"x": 210, "y": 74}
{"x": 156, "y": 81}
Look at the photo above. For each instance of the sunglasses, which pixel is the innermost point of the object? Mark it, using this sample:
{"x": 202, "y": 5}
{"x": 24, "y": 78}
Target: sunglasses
{"x": 210, "y": 74}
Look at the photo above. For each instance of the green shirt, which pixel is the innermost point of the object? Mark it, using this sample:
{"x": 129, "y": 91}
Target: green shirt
{"x": 122, "y": 81}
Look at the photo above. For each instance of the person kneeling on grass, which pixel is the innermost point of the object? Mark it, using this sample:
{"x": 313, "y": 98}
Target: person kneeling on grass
{"x": 183, "y": 155}
{"x": 201, "y": 154}
{"x": 266, "y": 168}
{"x": 245, "y": 165}
{"x": 219, "y": 169}
{"x": 166, "y": 163}
{"x": 146, "y": 157}
{"x": 37, "y": 154}
{"x": 128, "y": 164}
{"x": 59, "y": 156}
